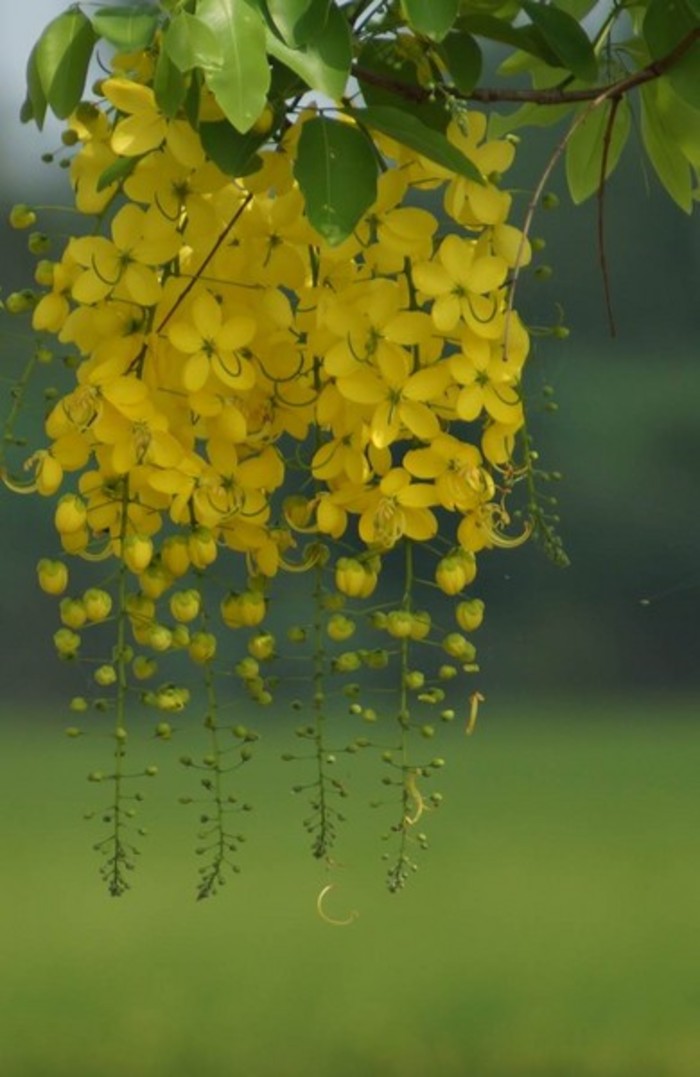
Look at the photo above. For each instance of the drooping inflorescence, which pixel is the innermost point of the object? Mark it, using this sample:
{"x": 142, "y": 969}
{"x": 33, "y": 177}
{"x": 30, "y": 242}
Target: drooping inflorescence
{"x": 253, "y": 396}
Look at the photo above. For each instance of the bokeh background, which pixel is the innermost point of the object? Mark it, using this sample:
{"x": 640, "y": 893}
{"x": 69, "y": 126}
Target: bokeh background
{"x": 552, "y": 927}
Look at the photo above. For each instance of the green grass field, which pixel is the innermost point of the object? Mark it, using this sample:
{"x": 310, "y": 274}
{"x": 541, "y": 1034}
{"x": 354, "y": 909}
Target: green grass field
{"x": 552, "y": 928}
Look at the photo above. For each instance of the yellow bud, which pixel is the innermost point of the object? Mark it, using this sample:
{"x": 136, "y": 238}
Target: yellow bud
{"x": 185, "y": 605}
{"x": 155, "y": 580}
{"x": 470, "y": 614}
{"x": 143, "y": 667}
{"x": 49, "y": 475}
{"x": 44, "y": 273}
{"x": 422, "y": 623}
{"x": 97, "y": 603}
{"x": 174, "y": 553}
{"x": 67, "y": 643}
{"x": 202, "y": 547}
{"x": 247, "y": 669}
{"x": 202, "y": 647}
{"x": 262, "y": 646}
{"x": 181, "y": 636}
{"x": 159, "y": 637}
{"x": 72, "y": 612}
{"x": 399, "y": 624}
{"x": 105, "y": 675}
{"x": 264, "y": 122}
{"x": 137, "y": 552}
{"x": 340, "y": 627}
{"x": 70, "y": 515}
{"x": 52, "y": 576}
{"x": 459, "y": 647}
{"x": 22, "y": 216}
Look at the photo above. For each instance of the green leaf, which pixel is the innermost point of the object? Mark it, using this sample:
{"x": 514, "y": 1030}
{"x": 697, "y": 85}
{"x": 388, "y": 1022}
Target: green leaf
{"x": 169, "y": 86}
{"x": 669, "y": 162}
{"x": 409, "y": 131}
{"x": 530, "y": 115}
{"x": 62, "y": 55}
{"x": 527, "y": 38}
{"x": 578, "y": 9}
{"x": 34, "y": 107}
{"x": 189, "y": 43}
{"x": 679, "y": 119}
{"x": 463, "y": 58}
{"x": 566, "y": 38}
{"x": 375, "y": 59}
{"x": 234, "y": 153}
{"x": 323, "y": 64}
{"x": 116, "y": 172}
{"x": 434, "y": 18}
{"x": 666, "y": 24}
{"x": 585, "y": 148}
{"x": 129, "y": 28}
{"x": 240, "y": 85}
{"x": 336, "y": 168}
{"x": 299, "y": 21}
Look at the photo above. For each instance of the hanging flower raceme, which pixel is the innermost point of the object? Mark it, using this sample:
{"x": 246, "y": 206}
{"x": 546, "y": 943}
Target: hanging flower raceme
{"x": 251, "y": 398}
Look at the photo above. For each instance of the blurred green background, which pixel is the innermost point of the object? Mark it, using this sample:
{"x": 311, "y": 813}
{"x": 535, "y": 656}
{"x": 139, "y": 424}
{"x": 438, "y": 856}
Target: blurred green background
{"x": 552, "y": 927}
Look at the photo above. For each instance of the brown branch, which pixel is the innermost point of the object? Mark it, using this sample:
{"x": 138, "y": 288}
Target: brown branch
{"x": 487, "y": 95}
{"x": 602, "y": 256}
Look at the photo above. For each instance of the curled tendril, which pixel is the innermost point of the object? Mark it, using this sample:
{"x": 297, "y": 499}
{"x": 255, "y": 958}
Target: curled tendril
{"x": 492, "y": 519}
{"x": 17, "y": 487}
{"x": 411, "y": 785}
{"x": 320, "y": 900}
{"x": 97, "y": 555}
{"x": 474, "y": 700}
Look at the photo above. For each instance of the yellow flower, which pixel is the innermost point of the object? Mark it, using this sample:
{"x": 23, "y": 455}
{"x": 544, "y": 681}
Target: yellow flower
{"x": 461, "y": 275}
{"x": 125, "y": 265}
{"x": 396, "y": 508}
{"x": 400, "y": 397}
{"x": 146, "y": 127}
{"x": 212, "y": 346}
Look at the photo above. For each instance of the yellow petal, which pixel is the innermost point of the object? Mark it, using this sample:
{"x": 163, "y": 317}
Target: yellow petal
{"x": 419, "y": 419}
{"x": 196, "y": 372}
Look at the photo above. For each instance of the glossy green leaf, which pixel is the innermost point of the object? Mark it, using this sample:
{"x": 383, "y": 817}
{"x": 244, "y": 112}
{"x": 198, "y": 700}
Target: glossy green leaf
{"x": 527, "y": 38}
{"x": 169, "y": 85}
{"x": 529, "y": 115}
{"x": 377, "y": 72}
{"x": 666, "y": 24}
{"x": 240, "y": 85}
{"x": 299, "y": 21}
{"x": 578, "y": 9}
{"x": 679, "y": 119}
{"x": 669, "y": 162}
{"x": 116, "y": 172}
{"x": 233, "y": 152}
{"x": 434, "y": 18}
{"x": 463, "y": 59}
{"x": 62, "y": 56}
{"x": 336, "y": 168}
{"x": 35, "y": 104}
{"x": 566, "y": 38}
{"x": 323, "y": 64}
{"x": 189, "y": 43}
{"x": 585, "y": 148}
{"x": 409, "y": 131}
{"x": 129, "y": 28}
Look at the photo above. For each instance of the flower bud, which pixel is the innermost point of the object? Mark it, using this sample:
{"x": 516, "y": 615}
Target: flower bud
{"x": 70, "y": 515}
{"x": 72, "y": 612}
{"x": 470, "y": 614}
{"x": 459, "y": 647}
{"x": 185, "y": 606}
{"x": 202, "y": 548}
{"x": 52, "y": 576}
{"x": 22, "y": 216}
{"x": 105, "y": 675}
{"x": 67, "y": 643}
{"x": 262, "y": 646}
{"x": 174, "y": 553}
{"x": 202, "y": 647}
{"x": 97, "y": 603}
{"x": 340, "y": 627}
{"x": 137, "y": 552}
{"x": 399, "y": 624}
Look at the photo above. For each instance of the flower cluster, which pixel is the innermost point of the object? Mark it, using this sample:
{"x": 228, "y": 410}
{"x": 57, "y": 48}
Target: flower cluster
{"x": 245, "y": 389}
